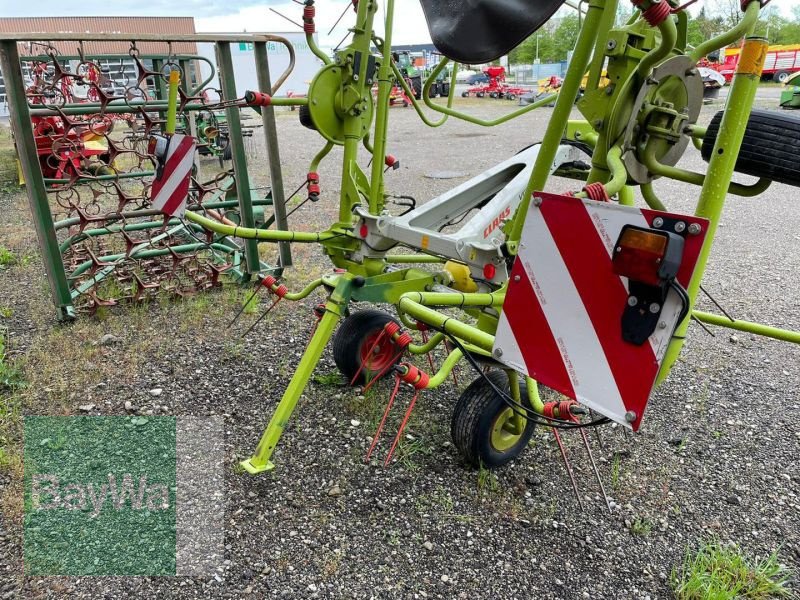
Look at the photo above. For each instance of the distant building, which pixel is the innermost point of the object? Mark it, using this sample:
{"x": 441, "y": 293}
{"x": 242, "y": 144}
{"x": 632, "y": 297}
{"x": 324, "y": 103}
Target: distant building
{"x": 122, "y": 71}
{"x": 119, "y": 71}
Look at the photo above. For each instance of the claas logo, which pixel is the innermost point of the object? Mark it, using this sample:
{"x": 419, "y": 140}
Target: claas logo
{"x": 498, "y": 220}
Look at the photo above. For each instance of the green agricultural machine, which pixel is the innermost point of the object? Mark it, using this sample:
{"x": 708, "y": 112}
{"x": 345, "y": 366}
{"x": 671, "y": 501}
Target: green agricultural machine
{"x": 587, "y": 293}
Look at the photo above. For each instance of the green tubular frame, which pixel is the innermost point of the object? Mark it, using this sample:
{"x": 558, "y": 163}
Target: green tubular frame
{"x": 419, "y": 306}
{"x": 61, "y": 283}
{"x": 370, "y": 279}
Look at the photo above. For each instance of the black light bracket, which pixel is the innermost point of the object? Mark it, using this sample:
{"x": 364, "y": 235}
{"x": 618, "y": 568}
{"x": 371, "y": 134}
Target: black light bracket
{"x": 645, "y": 303}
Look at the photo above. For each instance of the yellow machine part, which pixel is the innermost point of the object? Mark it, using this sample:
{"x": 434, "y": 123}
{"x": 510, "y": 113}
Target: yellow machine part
{"x": 462, "y": 281}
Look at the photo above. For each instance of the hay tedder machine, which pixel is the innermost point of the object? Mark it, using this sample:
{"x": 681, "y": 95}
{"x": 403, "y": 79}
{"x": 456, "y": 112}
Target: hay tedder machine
{"x": 584, "y": 292}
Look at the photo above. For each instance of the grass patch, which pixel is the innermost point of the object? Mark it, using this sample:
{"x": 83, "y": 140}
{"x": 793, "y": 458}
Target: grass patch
{"x": 641, "y": 527}
{"x": 7, "y": 257}
{"x": 12, "y": 381}
{"x": 11, "y": 378}
{"x": 723, "y": 572}
{"x": 487, "y": 481}
{"x": 330, "y": 379}
{"x": 616, "y": 470}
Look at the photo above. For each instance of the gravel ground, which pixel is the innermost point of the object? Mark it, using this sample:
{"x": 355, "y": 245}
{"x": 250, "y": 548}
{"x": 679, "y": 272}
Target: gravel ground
{"x": 716, "y": 457}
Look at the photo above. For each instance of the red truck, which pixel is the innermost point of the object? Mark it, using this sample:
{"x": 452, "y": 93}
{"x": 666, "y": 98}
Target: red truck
{"x": 781, "y": 62}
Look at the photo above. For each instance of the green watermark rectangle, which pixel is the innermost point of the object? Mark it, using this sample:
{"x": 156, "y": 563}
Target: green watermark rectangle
{"x": 100, "y": 495}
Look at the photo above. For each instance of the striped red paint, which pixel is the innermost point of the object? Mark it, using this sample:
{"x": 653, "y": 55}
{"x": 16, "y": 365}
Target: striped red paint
{"x": 561, "y": 320}
{"x": 170, "y": 192}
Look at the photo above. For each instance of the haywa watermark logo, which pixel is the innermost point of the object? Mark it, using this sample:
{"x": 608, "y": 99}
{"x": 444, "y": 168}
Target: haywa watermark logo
{"x": 123, "y": 495}
{"x": 50, "y": 493}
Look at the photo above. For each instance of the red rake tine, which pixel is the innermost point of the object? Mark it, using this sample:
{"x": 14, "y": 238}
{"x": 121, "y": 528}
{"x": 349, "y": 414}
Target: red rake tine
{"x": 594, "y": 468}
{"x": 597, "y": 432}
{"x": 428, "y": 355}
{"x": 400, "y": 430}
{"x": 383, "y": 371}
{"x": 568, "y": 467}
{"x": 248, "y": 301}
{"x": 266, "y": 312}
{"x": 383, "y": 419}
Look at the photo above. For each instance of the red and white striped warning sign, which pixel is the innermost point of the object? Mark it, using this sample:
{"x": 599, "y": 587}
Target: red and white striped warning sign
{"x": 561, "y": 320}
{"x": 169, "y": 193}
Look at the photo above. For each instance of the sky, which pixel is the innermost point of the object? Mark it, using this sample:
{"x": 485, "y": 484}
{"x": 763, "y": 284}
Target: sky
{"x": 235, "y": 15}
{"x": 250, "y": 15}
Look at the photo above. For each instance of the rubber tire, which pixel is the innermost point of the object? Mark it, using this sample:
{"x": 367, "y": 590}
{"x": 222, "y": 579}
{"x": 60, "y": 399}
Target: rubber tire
{"x": 465, "y": 94}
{"x": 349, "y": 337}
{"x": 770, "y": 147}
{"x": 227, "y": 153}
{"x": 473, "y": 416}
{"x": 479, "y": 94}
{"x": 305, "y": 117}
{"x": 780, "y": 76}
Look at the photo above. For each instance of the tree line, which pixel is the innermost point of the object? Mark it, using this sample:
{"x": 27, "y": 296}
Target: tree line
{"x": 554, "y": 43}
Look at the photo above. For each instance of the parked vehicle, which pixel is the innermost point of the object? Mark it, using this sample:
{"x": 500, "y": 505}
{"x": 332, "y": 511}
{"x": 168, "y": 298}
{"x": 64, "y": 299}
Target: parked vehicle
{"x": 790, "y": 96}
{"x": 477, "y": 78}
{"x": 781, "y": 62}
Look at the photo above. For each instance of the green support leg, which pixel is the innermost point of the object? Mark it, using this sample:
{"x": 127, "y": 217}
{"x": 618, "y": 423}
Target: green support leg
{"x": 228, "y": 84}
{"x": 334, "y": 310}
{"x": 34, "y": 184}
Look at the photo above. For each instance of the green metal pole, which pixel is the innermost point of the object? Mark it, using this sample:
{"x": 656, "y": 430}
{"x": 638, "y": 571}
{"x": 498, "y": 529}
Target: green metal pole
{"x": 561, "y": 112}
{"x": 228, "y": 84}
{"x": 37, "y": 193}
{"x": 250, "y": 233}
{"x": 776, "y": 333}
{"x": 440, "y": 376}
{"x": 447, "y": 324}
{"x": 334, "y": 310}
{"x": 172, "y": 104}
{"x": 381, "y": 116}
{"x": 599, "y": 53}
{"x": 358, "y": 88}
{"x": 723, "y": 160}
{"x": 273, "y": 151}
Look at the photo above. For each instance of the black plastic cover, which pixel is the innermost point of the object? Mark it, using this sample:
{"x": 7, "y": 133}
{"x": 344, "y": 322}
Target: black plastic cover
{"x": 480, "y": 31}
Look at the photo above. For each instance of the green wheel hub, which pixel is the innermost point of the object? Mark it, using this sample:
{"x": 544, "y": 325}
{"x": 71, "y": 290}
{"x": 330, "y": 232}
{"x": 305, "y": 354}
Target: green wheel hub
{"x": 507, "y": 430}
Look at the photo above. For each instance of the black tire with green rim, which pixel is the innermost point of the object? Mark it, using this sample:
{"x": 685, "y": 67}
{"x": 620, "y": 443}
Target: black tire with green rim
{"x": 770, "y": 146}
{"x": 484, "y": 428}
{"x": 354, "y": 339}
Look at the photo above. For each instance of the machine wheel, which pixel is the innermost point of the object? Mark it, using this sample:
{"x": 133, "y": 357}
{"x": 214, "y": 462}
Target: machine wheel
{"x": 770, "y": 147}
{"x": 354, "y": 339}
{"x": 780, "y": 76}
{"x": 511, "y": 96}
{"x": 484, "y": 428}
{"x": 479, "y": 94}
{"x": 465, "y": 94}
{"x": 494, "y": 95}
{"x": 227, "y": 153}
{"x": 305, "y": 117}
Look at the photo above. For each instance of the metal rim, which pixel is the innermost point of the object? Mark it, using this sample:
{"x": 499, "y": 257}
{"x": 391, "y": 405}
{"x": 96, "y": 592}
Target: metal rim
{"x": 381, "y": 355}
{"x": 506, "y": 431}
